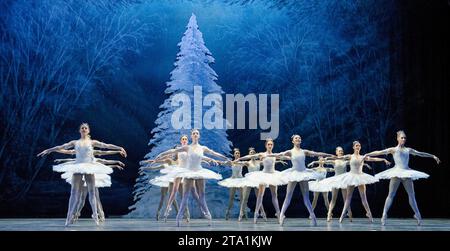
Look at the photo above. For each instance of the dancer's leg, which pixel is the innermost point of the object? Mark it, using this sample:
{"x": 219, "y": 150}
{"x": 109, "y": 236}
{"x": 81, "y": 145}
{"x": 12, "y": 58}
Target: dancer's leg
{"x": 315, "y": 198}
{"x": 394, "y": 183}
{"x": 77, "y": 182}
{"x": 349, "y": 210}
{"x": 334, "y": 195}
{"x": 325, "y": 199}
{"x": 259, "y": 201}
{"x": 348, "y": 200}
{"x": 230, "y": 202}
{"x": 274, "y": 195}
{"x": 164, "y": 191}
{"x": 188, "y": 185}
{"x": 90, "y": 182}
{"x": 243, "y": 202}
{"x": 362, "y": 193}
{"x": 409, "y": 187}
{"x": 81, "y": 201}
{"x": 170, "y": 190}
{"x": 200, "y": 186}
{"x": 101, "y": 213}
{"x": 305, "y": 194}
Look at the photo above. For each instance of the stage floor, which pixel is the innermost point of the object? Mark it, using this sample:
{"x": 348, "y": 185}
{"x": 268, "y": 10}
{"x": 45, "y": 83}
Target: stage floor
{"x": 293, "y": 224}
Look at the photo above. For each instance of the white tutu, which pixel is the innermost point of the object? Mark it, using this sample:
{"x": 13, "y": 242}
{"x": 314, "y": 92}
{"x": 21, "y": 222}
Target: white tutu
{"x": 346, "y": 179}
{"x": 101, "y": 180}
{"x": 264, "y": 178}
{"x": 402, "y": 173}
{"x": 170, "y": 169}
{"x": 200, "y": 173}
{"x": 84, "y": 168}
{"x": 160, "y": 182}
{"x": 294, "y": 175}
{"x": 316, "y": 186}
{"x": 237, "y": 182}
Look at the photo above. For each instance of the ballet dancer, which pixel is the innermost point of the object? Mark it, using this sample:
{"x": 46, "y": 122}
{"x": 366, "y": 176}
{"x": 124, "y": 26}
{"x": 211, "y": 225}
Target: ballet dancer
{"x": 268, "y": 177}
{"x": 313, "y": 187}
{"x": 235, "y": 182}
{"x": 194, "y": 174}
{"x": 401, "y": 173}
{"x": 355, "y": 178}
{"x": 298, "y": 174}
{"x": 83, "y": 166}
{"x": 253, "y": 165}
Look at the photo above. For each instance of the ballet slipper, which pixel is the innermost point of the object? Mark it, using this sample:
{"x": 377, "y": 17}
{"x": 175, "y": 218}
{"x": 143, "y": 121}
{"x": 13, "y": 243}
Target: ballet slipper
{"x": 314, "y": 220}
{"x": 350, "y": 216}
{"x": 95, "y": 218}
{"x": 281, "y": 220}
{"x": 369, "y": 215}
{"x": 227, "y": 215}
{"x": 329, "y": 217}
{"x": 383, "y": 219}
{"x": 418, "y": 218}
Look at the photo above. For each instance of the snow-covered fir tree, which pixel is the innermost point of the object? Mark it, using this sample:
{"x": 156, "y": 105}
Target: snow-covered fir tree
{"x": 192, "y": 68}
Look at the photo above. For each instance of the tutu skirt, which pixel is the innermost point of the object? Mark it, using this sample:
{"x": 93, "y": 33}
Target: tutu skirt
{"x": 160, "y": 181}
{"x": 101, "y": 180}
{"x": 346, "y": 179}
{"x": 171, "y": 169}
{"x": 237, "y": 182}
{"x": 294, "y": 175}
{"x": 257, "y": 178}
{"x": 401, "y": 173}
{"x": 200, "y": 173}
{"x": 83, "y": 168}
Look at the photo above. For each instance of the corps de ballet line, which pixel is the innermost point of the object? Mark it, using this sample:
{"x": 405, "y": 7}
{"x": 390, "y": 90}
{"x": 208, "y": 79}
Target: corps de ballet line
{"x": 182, "y": 173}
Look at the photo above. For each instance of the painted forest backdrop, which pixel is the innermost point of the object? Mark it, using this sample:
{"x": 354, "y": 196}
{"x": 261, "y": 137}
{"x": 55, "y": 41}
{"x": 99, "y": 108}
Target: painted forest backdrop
{"x": 334, "y": 64}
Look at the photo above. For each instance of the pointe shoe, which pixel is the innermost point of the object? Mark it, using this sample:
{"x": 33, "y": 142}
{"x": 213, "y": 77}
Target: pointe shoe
{"x": 281, "y": 220}
{"x": 329, "y": 217}
{"x": 95, "y": 218}
{"x": 102, "y": 218}
{"x": 314, "y": 220}
{"x": 227, "y": 215}
{"x": 240, "y": 217}
{"x": 369, "y": 215}
{"x": 264, "y": 216}
{"x": 419, "y": 219}
{"x": 383, "y": 220}
{"x": 341, "y": 219}
{"x": 350, "y": 216}
{"x": 255, "y": 219}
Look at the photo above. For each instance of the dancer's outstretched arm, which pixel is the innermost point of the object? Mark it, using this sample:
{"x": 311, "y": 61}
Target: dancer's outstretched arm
{"x": 424, "y": 154}
{"x": 172, "y": 152}
{"x": 332, "y": 158}
{"x": 110, "y": 162}
{"x": 313, "y": 163}
{"x": 65, "y": 146}
{"x": 213, "y": 153}
{"x": 96, "y": 143}
{"x": 367, "y": 158}
{"x": 250, "y": 156}
{"x": 280, "y": 154}
{"x": 317, "y": 154}
{"x": 368, "y": 166}
{"x": 160, "y": 161}
{"x": 102, "y": 153}
{"x": 212, "y": 161}
{"x": 63, "y": 160}
{"x": 382, "y": 152}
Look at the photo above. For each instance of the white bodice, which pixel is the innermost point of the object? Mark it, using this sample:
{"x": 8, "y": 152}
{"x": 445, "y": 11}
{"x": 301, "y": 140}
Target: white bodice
{"x": 356, "y": 164}
{"x": 401, "y": 157}
{"x": 236, "y": 170}
{"x": 84, "y": 153}
{"x": 298, "y": 159}
{"x": 340, "y": 166}
{"x": 195, "y": 156}
{"x": 253, "y": 165}
{"x": 182, "y": 159}
{"x": 269, "y": 164}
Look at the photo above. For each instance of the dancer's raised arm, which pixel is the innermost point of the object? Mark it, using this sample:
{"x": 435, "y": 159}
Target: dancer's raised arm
{"x": 424, "y": 154}
{"x": 65, "y": 146}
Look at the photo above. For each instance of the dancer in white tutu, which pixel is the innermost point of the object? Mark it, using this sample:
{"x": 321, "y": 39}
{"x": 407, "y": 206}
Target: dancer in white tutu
{"x": 298, "y": 174}
{"x": 339, "y": 167}
{"x": 253, "y": 165}
{"x": 313, "y": 185}
{"x": 268, "y": 177}
{"x": 235, "y": 182}
{"x": 101, "y": 180}
{"x": 194, "y": 174}
{"x": 401, "y": 173}
{"x": 355, "y": 178}
{"x": 85, "y": 167}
